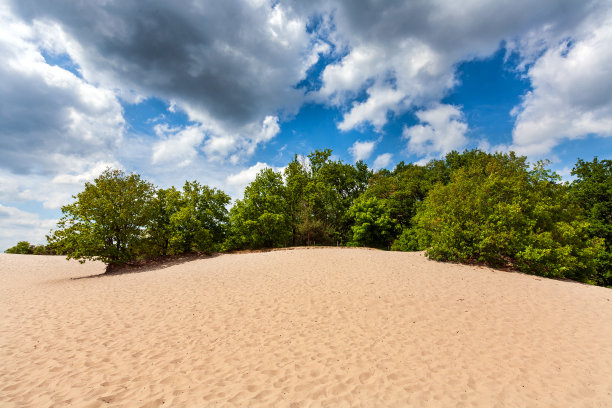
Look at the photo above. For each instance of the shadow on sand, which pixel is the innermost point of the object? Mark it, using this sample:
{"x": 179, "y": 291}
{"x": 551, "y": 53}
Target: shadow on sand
{"x": 150, "y": 264}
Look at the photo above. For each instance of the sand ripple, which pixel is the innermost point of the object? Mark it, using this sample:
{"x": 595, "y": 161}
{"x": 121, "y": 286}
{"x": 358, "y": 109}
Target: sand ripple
{"x": 300, "y": 328}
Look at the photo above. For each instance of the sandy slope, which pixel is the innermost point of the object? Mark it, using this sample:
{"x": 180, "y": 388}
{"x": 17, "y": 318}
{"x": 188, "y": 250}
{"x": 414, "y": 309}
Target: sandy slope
{"x": 306, "y": 327}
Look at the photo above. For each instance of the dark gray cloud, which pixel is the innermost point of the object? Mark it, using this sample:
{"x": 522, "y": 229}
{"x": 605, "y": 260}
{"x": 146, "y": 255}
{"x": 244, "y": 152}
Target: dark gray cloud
{"x": 231, "y": 59}
{"x": 467, "y": 27}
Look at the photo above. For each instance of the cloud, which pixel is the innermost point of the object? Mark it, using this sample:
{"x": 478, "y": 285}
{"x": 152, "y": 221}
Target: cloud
{"x": 442, "y": 129}
{"x": 362, "y": 150}
{"x": 52, "y": 190}
{"x": 572, "y": 93}
{"x": 238, "y": 181}
{"x": 403, "y": 55}
{"x": 49, "y": 117}
{"x": 178, "y": 146}
{"x": 373, "y": 110}
{"x": 382, "y": 161}
{"x": 25, "y": 225}
{"x": 242, "y": 143}
{"x": 228, "y": 78}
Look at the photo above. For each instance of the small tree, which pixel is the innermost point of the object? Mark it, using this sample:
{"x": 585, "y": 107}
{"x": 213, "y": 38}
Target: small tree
{"x": 107, "y": 220}
{"x": 22, "y": 247}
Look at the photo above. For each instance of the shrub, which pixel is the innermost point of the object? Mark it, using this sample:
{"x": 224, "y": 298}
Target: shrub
{"x": 497, "y": 211}
{"x": 22, "y": 247}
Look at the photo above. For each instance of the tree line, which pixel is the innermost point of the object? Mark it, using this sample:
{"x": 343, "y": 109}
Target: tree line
{"x": 494, "y": 209}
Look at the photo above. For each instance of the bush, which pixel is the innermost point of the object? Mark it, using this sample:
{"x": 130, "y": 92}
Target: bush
{"x": 496, "y": 211}
{"x": 22, "y": 247}
{"x": 411, "y": 239}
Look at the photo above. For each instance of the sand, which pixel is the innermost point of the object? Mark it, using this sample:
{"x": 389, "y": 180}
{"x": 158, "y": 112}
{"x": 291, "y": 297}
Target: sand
{"x": 300, "y": 328}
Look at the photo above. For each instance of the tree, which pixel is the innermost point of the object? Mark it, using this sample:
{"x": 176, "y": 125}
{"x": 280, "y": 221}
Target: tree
{"x": 372, "y": 223}
{"x": 107, "y": 220}
{"x": 331, "y": 190}
{"x": 22, "y": 247}
{"x": 164, "y": 204}
{"x": 497, "y": 211}
{"x": 200, "y": 220}
{"x": 297, "y": 179}
{"x": 592, "y": 191}
{"x": 261, "y": 219}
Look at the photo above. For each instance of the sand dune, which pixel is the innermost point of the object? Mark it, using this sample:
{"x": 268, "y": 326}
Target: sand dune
{"x": 300, "y": 328}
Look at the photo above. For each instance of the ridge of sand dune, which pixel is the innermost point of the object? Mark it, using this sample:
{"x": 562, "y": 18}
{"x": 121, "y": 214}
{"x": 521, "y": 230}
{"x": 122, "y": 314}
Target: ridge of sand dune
{"x": 313, "y": 327}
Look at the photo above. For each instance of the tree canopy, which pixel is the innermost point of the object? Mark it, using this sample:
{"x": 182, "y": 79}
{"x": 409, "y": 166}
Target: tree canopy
{"x": 108, "y": 219}
{"x": 470, "y": 206}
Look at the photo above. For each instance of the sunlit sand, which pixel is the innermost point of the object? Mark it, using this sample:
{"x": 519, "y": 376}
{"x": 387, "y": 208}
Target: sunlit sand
{"x": 299, "y": 328}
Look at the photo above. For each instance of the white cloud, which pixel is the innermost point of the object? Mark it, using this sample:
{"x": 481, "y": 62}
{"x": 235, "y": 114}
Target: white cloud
{"x": 442, "y": 129}
{"x": 176, "y": 145}
{"x": 25, "y": 225}
{"x": 86, "y": 175}
{"x": 245, "y": 176}
{"x": 268, "y": 130}
{"x": 396, "y": 76}
{"x": 572, "y": 94}
{"x": 362, "y": 150}
{"x": 373, "y": 110}
{"x": 242, "y": 142}
{"x": 54, "y": 192}
{"x": 50, "y": 117}
{"x": 409, "y": 51}
{"x": 382, "y": 161}
{"x": 238, "y": 181}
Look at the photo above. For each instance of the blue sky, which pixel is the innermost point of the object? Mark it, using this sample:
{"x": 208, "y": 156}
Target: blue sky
{"x": 216, "y": 91}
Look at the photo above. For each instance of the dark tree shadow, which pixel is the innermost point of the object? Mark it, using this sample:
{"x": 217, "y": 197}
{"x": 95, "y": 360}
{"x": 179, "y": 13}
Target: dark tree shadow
{"x": 150, "y": 264}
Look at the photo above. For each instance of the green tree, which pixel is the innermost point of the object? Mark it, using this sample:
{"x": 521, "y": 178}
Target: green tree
{"x": 200, "y": 221}
{"x": 372, "y": 223}
{"x": 107, "y": 220}
{"x": 164, "y": 204}
{"x": 592, "y": 190}
{"x": 332, "y": 188}
{"x": 497, "y": 211}
{"x": 22, "y": 247}
{"x": 44, "y": 250}
{"x": 261, "y": 219}
{"x": 297, "y": 179}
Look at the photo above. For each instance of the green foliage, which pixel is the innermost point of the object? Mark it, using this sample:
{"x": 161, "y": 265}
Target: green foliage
{"x": 199, "y": 219}
{"x": 22, "y": 247}
{"x": 496, "y": 211}
{"x": 401, "y": 191}
{"x": 372, "y": 223}
{"x": 107, "y": 220}
{"x": 411, "y": 239}
{"x": 592, "y": 190}
{"x": 301, "y": 217}
{"x": 44, "y": 250}
{"x": 468, "y": 207}
{"x": 262, "y": 218}
{"x": 160, "y": 231}
{"x": 331, "y": 189}
{"x": 120, "y": 218}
